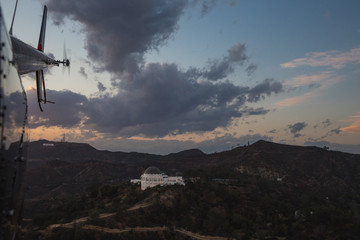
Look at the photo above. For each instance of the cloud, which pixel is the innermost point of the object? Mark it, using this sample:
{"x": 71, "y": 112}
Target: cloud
{"x": 334, "y": 59}
{"x": 309, "y": 95}
{"x": 296, "y": 135}
{"x": 250, "y": 70}
{"x": 149, "y": 99}
{"x": 296, "y": 128}
{"x": 118, "y": 33}
{"x": 293, "y": 100}
{"x": 354, "y": 126}
{"x": 273, "y": 131}
{"x": 83, "y": 73}
{"x": 101, "y": 87}
{"x": 324, "y": 124}
{"x": 160, "y": 100}
{"x": 337, "y": 131}
{"x": 220, "y": 69}
{"x": 14, "y": 117}
{"x": 68, "y": 110}
{"x": 208, "y": 5}
{"x": 267, "y": 87}
{"x": 309, "y": 80}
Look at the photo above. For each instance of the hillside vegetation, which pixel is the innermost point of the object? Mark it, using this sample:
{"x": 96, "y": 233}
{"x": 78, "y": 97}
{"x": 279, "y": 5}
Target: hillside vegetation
{"x": 262, "y": 191}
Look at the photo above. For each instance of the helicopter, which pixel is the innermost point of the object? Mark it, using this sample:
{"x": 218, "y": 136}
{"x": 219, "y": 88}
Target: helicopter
{"x": 29, "y": 59}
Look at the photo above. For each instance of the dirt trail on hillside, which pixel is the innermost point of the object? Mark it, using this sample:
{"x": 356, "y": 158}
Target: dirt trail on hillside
{"x": 198, "y": 236}
{"x": 127, "y": 229}
{"x": 135, "y": 229}
{"x": 141, "y": 205}
{"x": 79, "y": 220}
{"x": 103, "y": 215}
{"x": 153, "y": 229}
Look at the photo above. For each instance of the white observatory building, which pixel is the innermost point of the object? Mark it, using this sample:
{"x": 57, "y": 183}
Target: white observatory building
{"x": 152, "y": 177}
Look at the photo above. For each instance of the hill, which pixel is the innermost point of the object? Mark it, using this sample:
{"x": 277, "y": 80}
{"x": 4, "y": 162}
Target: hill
{"x": 53, "y": 166}
{"x": 298, "y": 165}
{"x": 262, "y": 191}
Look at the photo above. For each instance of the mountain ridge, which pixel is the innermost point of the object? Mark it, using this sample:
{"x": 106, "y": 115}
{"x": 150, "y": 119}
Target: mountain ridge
{"x": 62, "y": 164}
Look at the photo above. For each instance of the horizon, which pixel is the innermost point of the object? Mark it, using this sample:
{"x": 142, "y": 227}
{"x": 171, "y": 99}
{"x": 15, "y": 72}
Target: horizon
{"x": 169, "y": 76}
{"x": 194, "y": 148}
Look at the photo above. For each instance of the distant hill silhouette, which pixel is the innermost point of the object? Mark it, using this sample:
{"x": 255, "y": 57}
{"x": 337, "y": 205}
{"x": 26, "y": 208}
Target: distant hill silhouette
{"x": 187, "y": 153}
{"x": 54, "y": 166}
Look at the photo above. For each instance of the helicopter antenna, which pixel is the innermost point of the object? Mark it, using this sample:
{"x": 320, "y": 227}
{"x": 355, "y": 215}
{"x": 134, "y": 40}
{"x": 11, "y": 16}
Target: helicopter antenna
{"x": 13, "y": 18}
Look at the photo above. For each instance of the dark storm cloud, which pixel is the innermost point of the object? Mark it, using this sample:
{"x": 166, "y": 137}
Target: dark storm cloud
{"x": 162, "y": 99}
{"x": 101, "y": 87}
{"x": 151, "y": 99}
{"x": 267, "y": 87}
{"x": 220, "y": 69}
{"x": 250, "y": 70}
{"x": 296, "y": 128}
{"x": 118, "y": 33}
{"x": 66, "y": 112}
{"x": 15, "y": 109}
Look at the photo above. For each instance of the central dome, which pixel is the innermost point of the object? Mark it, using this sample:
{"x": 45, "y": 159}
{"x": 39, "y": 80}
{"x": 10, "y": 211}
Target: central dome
{"x": 152, "y": 170}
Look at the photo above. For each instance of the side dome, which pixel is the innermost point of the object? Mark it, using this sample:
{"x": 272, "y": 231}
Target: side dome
{"x": 152, "y": 170}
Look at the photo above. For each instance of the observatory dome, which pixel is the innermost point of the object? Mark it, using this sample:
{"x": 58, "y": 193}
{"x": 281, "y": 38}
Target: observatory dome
{"x": 152, "y": 170}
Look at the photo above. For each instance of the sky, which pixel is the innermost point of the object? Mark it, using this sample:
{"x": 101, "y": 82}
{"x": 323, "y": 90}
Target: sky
{"x": 161, "y": 76}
